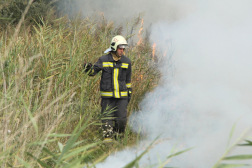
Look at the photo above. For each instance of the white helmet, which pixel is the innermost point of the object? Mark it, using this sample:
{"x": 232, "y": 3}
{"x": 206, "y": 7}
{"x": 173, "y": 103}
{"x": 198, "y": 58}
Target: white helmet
{"x": 117, "y": 41}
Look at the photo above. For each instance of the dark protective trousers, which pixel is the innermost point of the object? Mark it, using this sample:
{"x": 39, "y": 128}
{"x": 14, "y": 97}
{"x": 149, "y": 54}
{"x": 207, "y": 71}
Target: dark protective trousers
{"x": 117, "y": 110}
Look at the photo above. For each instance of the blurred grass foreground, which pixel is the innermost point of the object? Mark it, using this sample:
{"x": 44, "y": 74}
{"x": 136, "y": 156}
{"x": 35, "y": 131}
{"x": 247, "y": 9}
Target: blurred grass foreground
{"x": 49, "y": 109}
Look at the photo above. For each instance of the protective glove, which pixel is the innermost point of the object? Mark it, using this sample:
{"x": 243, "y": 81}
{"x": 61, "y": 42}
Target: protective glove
{"x": 87, "y": 67}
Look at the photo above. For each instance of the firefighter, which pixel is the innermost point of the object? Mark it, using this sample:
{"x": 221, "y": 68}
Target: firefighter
{"x": 115, "y": 86}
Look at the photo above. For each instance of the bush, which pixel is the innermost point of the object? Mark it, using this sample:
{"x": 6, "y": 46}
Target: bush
{"x": 11, "y": 11}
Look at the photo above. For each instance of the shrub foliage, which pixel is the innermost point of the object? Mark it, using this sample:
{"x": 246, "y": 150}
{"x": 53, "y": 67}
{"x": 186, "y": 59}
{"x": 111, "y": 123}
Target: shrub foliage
{"x": 11, "y": 11}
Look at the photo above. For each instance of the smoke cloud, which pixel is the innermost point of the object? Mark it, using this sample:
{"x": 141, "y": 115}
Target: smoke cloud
{"x": 206, "y": 77}
{"x": 123, "y": 11}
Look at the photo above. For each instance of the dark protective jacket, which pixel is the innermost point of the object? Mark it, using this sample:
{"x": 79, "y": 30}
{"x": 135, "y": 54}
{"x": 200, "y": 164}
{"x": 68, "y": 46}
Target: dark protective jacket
{"x": 116, "y": 76}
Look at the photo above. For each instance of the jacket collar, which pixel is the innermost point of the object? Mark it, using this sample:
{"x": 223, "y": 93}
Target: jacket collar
{"x": 110, "y": 58}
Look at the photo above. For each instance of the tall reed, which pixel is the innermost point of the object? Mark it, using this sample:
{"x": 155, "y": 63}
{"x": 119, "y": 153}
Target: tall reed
{"x": 50, "y": 109}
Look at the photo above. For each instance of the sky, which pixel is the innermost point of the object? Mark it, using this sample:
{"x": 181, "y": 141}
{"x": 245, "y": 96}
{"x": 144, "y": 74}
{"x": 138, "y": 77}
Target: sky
{"x": 205, "y": 55}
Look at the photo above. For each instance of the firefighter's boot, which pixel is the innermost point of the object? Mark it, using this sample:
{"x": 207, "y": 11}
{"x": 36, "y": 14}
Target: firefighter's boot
{"x": 107, "y": 132}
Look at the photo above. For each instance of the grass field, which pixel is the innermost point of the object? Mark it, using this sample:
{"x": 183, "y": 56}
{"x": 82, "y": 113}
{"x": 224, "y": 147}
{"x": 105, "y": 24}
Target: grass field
{"x": 50, "y": 109}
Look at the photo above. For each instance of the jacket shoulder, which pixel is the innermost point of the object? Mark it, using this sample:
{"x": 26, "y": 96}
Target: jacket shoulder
{"x": 125, "y": 59}
{"x": 105, "y": 58}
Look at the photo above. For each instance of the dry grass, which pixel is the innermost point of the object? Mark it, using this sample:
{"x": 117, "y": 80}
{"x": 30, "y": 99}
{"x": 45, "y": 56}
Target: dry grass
{"x": 48, "y": 102}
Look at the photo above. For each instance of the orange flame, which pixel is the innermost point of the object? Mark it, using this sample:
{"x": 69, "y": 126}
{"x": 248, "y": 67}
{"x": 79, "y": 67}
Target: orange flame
{"x": 140, "y": 33}
{"x": 153, "y": 50}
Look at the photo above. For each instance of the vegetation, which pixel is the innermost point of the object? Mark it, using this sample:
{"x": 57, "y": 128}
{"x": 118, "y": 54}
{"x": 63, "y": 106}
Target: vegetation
{"x": 12, "y": 10}
{"x": 49, "y": 109}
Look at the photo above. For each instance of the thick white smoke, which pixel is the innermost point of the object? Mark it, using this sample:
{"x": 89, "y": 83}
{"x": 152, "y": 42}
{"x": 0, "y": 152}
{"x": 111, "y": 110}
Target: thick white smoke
{"x": 206, "y": 84}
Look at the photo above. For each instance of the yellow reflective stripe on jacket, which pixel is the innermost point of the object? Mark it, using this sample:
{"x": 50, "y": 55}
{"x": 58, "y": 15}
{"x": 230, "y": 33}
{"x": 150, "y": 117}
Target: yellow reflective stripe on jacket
{"x": 125, "y": 65}
{"x": 107, "y": 64}
{"x": 124, "y": 93}
{"x": 110, "y": 94}
{"x": 128, "y": 85}
{"x": 116, "y": 83}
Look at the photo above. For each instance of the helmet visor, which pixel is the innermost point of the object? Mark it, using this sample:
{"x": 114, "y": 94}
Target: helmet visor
{"x": 122, "y": 46}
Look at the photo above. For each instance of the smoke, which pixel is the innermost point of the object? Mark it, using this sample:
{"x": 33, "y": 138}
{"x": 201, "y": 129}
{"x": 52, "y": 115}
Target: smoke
{"x": 122, "y": 12}
{"x": 206, "y": 77}
{"x": 209, "y": 90}
{"x": 211, "y": 83}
